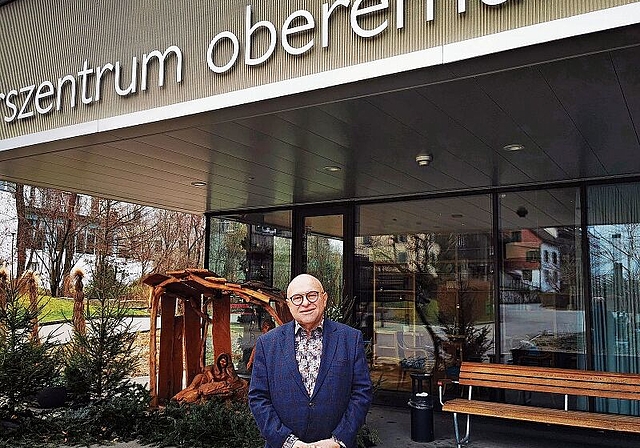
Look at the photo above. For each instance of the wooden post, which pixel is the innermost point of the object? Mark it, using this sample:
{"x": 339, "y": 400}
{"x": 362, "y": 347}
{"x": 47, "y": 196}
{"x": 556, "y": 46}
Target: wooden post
{"x": 165, "y": 368}
{"x": 192, "y": 337}
{"x": 221, "y": 328}
{"x": 177, "y": 359}
{"x": 153, "y": 330}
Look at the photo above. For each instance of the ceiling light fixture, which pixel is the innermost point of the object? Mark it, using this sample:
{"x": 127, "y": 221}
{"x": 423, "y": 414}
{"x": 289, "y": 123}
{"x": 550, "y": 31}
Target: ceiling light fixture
{"x": 423, "y": 159}
{"x": 332, "y": 168}
{"x": 513, "y": 147}
{"x": 198, "y": 183}
{"x": 522, "y": 211}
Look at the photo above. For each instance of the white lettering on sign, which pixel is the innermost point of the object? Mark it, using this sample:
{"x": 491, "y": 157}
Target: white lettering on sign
{"x": 304, "y": 21}
{"x": 288, "y": 30}
{"x": 45, "y": 90}
{"x": 212, "y": 48}
{"x": 89, "y": 83}
{"x": 357, "y": 11}
{"x": 326, "y": 14}
{"x": 249, "y": 30}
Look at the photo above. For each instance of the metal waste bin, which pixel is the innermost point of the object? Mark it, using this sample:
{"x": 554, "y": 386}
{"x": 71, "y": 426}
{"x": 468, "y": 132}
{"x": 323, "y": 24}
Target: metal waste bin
{"x": 421, "y": 417}
{"x": 421, "y": 408}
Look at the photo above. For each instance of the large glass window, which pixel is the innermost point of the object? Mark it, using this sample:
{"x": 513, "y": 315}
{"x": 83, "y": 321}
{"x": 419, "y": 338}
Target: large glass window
{"x": 542, "y": 316}
{"x": 249, "y": 248}
{"x": 614, "y": 239}
{"x": 424, "y": 286}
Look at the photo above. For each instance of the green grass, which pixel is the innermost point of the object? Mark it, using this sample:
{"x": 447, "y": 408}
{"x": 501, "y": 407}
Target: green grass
{"x": 58, "y": 309}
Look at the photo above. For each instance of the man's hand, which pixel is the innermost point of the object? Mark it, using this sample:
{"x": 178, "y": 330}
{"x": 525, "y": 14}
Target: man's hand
{"x": 326, "y": 443}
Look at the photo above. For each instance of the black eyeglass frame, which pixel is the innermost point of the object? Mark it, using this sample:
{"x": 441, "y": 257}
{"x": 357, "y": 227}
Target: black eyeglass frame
{"x": 298, "y": 299}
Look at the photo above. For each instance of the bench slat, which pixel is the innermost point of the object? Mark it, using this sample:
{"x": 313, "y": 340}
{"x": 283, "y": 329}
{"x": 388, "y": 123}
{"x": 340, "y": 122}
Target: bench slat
{"x": 531, "y": 378}
{"x": 614, "y": 422}
{"x": 548, "y": 372}
{"x": 557, "y": 389}
{"x": 553, "y": 380}
{"x": 630, "y": 392}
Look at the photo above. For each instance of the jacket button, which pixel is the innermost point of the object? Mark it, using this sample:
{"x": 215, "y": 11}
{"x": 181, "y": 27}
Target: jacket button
{"x": 311, "y": 404}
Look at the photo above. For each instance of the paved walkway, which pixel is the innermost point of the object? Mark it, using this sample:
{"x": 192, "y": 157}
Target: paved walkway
{"x": 394, "y": 428}
{"x": 393, "y": 424}
{"x": 61, "y": 332}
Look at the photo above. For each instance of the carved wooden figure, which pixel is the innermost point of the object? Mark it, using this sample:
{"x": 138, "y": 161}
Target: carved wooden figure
{"x": 217, "y": 381}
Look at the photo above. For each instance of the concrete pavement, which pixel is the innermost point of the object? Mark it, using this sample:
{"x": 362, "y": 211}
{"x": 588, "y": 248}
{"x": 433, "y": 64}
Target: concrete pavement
{"x": 394, "y": 428}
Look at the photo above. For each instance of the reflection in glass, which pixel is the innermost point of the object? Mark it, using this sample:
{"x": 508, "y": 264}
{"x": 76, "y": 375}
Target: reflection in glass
{"x": 614, "y": 239}
{"x": 324, "y": 252}
{"x": 425, "y": 286}
{"x": 542, "y": 319}
{"x": 252, "y": 247}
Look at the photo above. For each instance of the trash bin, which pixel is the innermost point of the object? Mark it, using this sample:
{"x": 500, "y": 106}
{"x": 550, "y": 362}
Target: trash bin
{"x": 421, "y": 408}
{"x": 421, "y": 417}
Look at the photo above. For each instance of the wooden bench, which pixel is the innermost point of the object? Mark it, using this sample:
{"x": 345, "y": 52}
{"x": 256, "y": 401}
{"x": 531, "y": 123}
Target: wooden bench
{"x": 565, "y": 382}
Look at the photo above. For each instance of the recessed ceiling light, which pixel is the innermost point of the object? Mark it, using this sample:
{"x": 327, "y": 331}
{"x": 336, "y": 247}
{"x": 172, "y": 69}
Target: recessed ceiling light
{"x": 513, "y": 147}
{"x": 199, "y": 183}
{"x": 332, "y": 168}
{"x": 424, "y": 159}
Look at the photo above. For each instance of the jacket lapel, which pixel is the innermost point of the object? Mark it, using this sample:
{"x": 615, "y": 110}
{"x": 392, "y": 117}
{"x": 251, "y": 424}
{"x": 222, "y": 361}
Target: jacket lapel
{"x": 289, "y": 355}
{"x": 329, "y": 347}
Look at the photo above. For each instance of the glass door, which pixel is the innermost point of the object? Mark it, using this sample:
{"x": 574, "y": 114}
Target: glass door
{"x": 323, "y": 243}
{"x": 323, "y": 248}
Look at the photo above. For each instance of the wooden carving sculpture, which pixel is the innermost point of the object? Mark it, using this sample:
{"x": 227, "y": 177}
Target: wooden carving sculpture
{"x": 217, "y": 381}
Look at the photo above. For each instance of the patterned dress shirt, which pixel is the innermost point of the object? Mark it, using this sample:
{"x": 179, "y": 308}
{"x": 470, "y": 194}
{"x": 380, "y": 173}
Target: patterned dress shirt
{"x": 308, "y": 356}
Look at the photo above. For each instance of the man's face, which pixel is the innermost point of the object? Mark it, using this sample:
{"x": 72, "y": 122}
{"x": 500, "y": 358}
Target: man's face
{"x": 308, "y": 315}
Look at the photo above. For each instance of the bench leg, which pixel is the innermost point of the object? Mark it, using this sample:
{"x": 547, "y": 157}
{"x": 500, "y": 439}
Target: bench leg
{"x": 456, "y": 427}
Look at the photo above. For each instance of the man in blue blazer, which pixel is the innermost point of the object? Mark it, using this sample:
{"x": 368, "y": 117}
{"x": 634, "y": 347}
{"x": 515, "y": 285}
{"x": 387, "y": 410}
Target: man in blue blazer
{"x": 310, "y": 385}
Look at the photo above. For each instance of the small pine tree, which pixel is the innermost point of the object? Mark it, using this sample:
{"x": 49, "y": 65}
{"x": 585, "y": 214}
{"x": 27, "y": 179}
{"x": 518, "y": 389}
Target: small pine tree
{"x": 99, "y": 361}
{"x": 27, "y": 365}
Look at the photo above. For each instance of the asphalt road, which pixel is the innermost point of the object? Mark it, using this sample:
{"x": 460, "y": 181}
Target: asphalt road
{"x": 61, "y": 333}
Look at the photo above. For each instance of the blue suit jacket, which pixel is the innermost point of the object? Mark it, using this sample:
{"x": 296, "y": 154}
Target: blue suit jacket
{"x": 341, "y": 397}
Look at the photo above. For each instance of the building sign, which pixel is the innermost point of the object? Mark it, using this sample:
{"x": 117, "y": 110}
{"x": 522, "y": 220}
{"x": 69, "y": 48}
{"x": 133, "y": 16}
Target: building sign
{"x": 86, "y": 86}
{"x": 132, "y": 61}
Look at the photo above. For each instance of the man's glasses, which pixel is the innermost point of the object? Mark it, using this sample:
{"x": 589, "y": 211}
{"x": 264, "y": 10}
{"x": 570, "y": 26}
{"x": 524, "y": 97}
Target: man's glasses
{"x": 311, "y": 296}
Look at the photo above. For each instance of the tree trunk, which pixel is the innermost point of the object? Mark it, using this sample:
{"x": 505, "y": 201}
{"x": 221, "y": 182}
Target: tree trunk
{"x": 70, "y": 247}
{"x": 30, "y": 281}
{"x": 24, "y": 229}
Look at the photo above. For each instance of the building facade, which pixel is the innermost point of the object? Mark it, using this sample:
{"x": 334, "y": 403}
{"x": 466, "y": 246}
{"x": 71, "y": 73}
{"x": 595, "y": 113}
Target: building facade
{"x": 465, "y": 171}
